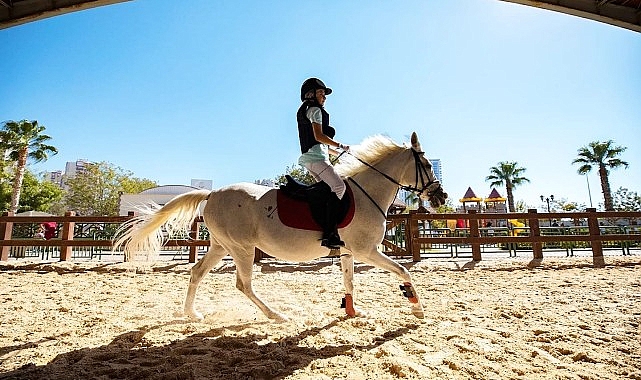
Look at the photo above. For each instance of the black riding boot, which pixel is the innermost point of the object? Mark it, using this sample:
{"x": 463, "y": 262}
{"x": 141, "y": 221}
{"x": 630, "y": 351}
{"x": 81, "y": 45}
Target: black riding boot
{"x": 331, "y": 239}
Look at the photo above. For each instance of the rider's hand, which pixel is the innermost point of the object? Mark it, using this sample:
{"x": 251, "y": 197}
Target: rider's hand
{"x": 344, "y": 147}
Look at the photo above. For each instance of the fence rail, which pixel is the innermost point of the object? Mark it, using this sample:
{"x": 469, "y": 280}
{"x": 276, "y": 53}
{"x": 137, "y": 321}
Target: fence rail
{"x": 73, "y": 240}
{"x": 411, "y": 235}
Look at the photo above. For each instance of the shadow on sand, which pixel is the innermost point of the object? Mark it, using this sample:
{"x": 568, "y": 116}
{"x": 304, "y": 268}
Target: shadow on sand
{"x": 210, "y": 355}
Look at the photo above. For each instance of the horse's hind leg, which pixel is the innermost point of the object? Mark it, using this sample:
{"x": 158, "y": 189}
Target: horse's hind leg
{"x": 198, "y": 271}
{"x": 244, "y": 267}
{"x": 382, "y": 261}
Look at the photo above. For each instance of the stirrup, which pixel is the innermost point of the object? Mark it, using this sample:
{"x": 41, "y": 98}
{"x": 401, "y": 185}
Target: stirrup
{"x": 332, "y": 242}
{"x": 332, "y": 245}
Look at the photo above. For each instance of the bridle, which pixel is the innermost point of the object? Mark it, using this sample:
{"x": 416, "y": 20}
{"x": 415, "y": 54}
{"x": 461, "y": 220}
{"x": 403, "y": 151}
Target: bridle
{"x": 428, "y": 183}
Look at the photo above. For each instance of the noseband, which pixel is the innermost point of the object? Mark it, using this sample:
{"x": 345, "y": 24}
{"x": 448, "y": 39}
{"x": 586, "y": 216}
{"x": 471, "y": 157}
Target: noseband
{"x": 429, "y": 184}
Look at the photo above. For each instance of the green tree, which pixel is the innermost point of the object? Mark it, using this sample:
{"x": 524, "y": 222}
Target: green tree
{"x": 297, "y": 172}
{"x": 132, "y": 185}
{"x": 626, "y": 200}
{"x": 521, "y": 206}
{"x": 38, "y": 194}
{"x": 4, "y": 166}
{"x": 567, "y": 206}
{"x": 96, "y": 191}
{"x": 446, "y": 208}
{"x": 22, "y": 141}
{"x": 507, "y": 174}
{"x": 5, "y": 195}
{"x": 412, "y": 200}
{"x": 602, "y": 155}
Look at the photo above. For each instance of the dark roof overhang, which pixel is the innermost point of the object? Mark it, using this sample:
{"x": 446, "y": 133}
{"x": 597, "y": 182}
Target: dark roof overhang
{"x": 17, "y": 12}
{"x": 622, "y": 13}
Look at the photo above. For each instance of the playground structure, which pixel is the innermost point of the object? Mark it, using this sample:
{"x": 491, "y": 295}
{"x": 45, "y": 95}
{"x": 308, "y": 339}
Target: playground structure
{"x": 493, "y": 204}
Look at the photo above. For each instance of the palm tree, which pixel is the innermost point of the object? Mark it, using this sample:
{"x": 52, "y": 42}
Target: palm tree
{"x": 508, "y": 174}
{"x": 21, "y": 141}
{"x": 602, "y": 155}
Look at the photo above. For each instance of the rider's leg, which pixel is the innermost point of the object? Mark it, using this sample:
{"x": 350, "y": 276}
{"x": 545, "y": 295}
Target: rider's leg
{"x": 331, "y": 239}
{"x": 327, "y": 174}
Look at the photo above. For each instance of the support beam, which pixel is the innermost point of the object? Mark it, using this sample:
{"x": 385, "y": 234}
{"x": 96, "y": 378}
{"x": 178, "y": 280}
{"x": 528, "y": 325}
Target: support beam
{"x": 19, "y": 12}
{"x": 622, "y": 13}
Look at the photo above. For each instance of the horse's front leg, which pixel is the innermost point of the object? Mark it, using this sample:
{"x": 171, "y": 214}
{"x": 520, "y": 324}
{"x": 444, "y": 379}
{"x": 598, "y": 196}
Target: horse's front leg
{"x": 380, "y": 260}
{"x": 347, "y": 267}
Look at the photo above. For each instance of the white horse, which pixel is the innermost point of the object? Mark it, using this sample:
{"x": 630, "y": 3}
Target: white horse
{"x": 241, "y": 217}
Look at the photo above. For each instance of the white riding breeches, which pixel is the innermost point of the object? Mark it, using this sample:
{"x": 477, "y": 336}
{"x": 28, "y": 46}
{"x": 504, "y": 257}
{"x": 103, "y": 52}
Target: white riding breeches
{"x": 322, "y": 171}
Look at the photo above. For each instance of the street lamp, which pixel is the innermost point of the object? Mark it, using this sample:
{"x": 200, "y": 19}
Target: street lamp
{"x": 551, "y": 198}
{"x": 589, "y": 192}
{"x": 548, "y": 199}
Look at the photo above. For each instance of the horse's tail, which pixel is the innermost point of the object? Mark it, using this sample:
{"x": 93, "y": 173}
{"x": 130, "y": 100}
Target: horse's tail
{"x": 145, "y": 234}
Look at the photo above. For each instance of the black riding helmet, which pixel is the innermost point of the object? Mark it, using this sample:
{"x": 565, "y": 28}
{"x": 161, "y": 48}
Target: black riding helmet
{"x": 313, "y": 84}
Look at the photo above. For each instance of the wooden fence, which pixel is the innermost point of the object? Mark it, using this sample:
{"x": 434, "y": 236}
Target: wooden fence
{"x": 410, "y": 235}
{"x": 80, "y": 236}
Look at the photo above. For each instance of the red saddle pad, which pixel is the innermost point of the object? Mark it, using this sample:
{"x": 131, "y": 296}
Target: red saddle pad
{"x": 296, "y": 214}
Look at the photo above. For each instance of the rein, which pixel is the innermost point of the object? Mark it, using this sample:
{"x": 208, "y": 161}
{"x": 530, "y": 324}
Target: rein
{"x": 430, "y": 185}
{"x": 368, "y": 196}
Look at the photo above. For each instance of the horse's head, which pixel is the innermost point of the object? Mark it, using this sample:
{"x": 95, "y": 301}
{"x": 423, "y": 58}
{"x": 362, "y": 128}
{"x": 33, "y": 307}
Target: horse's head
{"x": 382, "y": 155}
{"x": 422, "y": 179}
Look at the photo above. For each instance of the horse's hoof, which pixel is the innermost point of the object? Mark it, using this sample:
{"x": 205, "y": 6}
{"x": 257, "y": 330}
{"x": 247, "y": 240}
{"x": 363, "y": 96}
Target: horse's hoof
{"x": 418, "y": 313}
{"x": 279, "y": 318}
{"x": 194, "y": 315}
{"x": 360, "y": 313}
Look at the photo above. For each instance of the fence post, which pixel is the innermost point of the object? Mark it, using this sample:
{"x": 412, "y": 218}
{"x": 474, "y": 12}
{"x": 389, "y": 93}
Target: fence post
{"x": 407, "y": 234}
{"x": 412, "y": 244}
{"x": 6, "y": 230}
{"x": 595, "y": 232}
{"x": 475, "y": 233}
{"x": 193, "y": 235}
{"x": 67, "y": 235}
{"x": 535, "y": 231}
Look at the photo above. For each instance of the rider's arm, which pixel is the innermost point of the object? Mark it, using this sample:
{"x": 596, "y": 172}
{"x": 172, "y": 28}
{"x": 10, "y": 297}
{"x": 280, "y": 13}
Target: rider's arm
{"x": 314, "y": 115}
{"x": 323, "y": 138}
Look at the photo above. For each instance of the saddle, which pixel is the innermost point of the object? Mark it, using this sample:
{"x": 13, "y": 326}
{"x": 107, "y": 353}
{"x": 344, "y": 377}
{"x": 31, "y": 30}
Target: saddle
{"x": 304, "y": 206}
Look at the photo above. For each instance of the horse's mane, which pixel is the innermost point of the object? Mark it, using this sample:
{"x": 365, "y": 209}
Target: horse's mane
{"x": 372, "y": 150}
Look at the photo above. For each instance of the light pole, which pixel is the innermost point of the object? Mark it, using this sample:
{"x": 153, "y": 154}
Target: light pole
{"x": 589, "y": 192}
{"x": 548, "y": 199}
{"x": 551, "y": 198}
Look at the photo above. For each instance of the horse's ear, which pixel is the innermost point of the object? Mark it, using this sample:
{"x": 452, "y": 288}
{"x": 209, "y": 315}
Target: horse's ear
{"x": 415, "y": 144}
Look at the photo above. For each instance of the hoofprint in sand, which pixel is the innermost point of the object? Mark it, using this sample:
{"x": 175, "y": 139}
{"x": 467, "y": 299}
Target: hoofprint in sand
{"x": 495, "y": 319}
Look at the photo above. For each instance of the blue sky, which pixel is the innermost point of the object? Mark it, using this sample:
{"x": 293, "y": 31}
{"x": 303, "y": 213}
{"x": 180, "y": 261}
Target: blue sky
{"x": 209, "y": 89}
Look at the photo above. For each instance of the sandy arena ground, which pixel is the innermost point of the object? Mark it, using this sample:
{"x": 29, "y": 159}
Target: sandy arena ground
{"x": 497, "y": 319}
